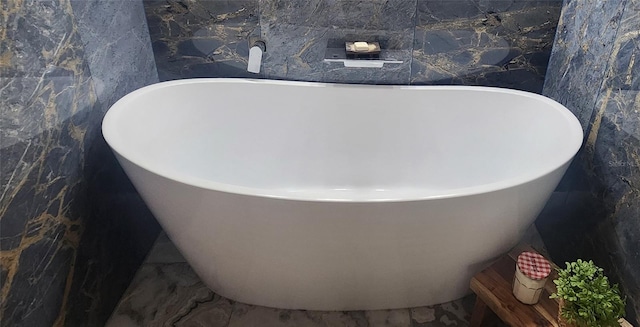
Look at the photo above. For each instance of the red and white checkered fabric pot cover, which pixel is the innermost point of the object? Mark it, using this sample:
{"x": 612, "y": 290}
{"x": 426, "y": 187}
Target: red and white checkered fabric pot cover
{"x": 533, "y": 265}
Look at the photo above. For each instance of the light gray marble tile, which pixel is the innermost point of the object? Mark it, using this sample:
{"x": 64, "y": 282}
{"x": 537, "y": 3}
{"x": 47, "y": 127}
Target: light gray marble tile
{"x": 423, "y": 315}
{"x": 249, "y": 315}
{"x": 389, "y": 318}
{"x": 164, "y": 251}
{"x": 456, "y": 313}
{"x": 170, "y": 294}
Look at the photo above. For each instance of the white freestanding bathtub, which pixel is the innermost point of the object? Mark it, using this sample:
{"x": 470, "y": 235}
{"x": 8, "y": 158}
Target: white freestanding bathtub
{"x": 340, "y": 197}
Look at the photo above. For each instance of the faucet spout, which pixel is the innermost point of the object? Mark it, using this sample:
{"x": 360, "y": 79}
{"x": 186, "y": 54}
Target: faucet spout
{"x": 255, "y": 57}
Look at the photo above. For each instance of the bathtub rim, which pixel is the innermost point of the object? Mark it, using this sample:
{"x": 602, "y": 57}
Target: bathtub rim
{"x": 108, "y": 128}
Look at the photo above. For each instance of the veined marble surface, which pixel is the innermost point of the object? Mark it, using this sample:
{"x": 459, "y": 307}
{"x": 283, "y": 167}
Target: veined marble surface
{"x": 595, "y": 72}
{"x": 70, "y": 222}
{"x": 47, "y": 98}
{"x": 503, "y": 43}
{"x": 201, "y": 38}
{"x": 490, "y": 43}
{"x": 167, "y": 292}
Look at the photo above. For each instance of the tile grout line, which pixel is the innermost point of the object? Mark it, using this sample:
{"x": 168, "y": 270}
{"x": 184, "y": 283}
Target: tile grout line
{"x": 233, "y": 309}
{"x": 413, "y": 43}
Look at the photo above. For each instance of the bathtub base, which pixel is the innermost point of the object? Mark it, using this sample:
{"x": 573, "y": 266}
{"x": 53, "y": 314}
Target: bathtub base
{"x": 339, "y": 255}
{"x": 353, "y": 302}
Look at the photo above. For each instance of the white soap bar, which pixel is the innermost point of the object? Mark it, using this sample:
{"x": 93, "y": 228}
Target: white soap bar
{"x": 361, "y": 46}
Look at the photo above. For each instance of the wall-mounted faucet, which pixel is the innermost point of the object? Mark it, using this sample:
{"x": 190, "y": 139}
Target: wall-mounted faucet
{"x": 255, "y": 56}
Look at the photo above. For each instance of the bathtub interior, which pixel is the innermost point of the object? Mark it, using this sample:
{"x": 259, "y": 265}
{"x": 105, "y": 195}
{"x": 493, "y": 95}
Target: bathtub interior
{"x": 342, "y": 142}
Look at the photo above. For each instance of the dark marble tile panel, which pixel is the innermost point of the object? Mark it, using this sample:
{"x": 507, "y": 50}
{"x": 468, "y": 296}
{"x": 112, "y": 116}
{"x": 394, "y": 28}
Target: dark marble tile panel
{"x": 41, "y": 63}
{"x": 394, "y": 15}
{"x": 3, "y": 272}
{"x": 48, "y": 93}
{"x": 593, "y": 71}
{"x": 202, "y": 38}
{"x": 28, "y": 22}
{"x": 39, "y": 95}
{"x": 42, "y": 184}
{"x": 115, "y": 240}
{"x": 585, "y": 38}
{"x": 49, "y": 122}
{"x": 615, "y": 136}
{"x": 117, "y": 47}
{"x": 296, "y": 34}
{"x": 16, "y": 167}
{"x": 119, "y": 229}
{"x": 623, "y": 72}
{"x": 578, "y": 201}
{"x": 44, "y": 219}
{"x": 614, "y": 147}
{"x": 471, "y": 44}
{"x": 294, "y": 52}
{"x": 45, "y": 264}
{"x": 433, "y": 11}
{"x": 614, "y": 143}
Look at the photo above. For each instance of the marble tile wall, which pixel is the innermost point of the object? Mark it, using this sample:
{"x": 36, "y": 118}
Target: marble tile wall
{"x": 66, "y": 211}
{"x": 201, "y": 38}
{"x": 594, "y": 70}
{"x": 472, "y": 42}
{"x": 491, "y": 43}
{"x": 119, "y": 229}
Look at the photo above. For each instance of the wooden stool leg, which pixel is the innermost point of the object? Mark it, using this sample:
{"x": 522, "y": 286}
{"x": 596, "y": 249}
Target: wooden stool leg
{"x": 479, "y": 312}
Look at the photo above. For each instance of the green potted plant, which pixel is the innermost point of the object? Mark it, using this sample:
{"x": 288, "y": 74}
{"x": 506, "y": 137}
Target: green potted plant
{"x": 587, "y": 299}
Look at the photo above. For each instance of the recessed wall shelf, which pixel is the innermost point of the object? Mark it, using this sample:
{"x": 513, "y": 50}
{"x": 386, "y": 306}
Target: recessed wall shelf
{"x": 339, "y": 55}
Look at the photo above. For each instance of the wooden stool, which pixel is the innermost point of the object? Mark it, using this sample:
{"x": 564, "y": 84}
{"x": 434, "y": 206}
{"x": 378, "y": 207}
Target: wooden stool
{"x": 493, "y": 287}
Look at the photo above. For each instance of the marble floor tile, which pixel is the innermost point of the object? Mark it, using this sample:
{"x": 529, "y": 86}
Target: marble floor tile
{"x": 250, "y": 315}
{"x": 391, "y": 318}
{"x": 170, "y": 294}
{"x": 423, "y": 315}
{"x": 163, "y": 251}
